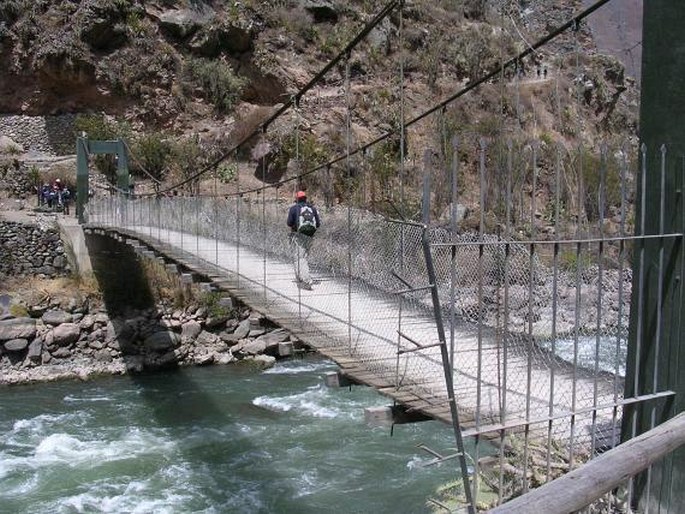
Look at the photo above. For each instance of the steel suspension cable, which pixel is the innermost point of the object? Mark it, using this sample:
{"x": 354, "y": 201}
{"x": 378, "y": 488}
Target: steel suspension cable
{"x": 573, "y": 22}
{"x": 297, "y": 96}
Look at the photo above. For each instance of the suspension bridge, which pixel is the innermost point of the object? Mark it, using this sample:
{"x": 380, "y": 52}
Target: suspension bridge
{"x": 505, "y": 334}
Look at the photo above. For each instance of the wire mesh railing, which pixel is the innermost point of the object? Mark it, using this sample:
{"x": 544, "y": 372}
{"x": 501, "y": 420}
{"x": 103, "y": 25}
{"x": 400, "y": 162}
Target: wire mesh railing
{"x": 351, "y": 266}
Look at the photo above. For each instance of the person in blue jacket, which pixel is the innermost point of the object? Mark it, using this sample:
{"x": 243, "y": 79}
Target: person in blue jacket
{"x": 303, "y": 220}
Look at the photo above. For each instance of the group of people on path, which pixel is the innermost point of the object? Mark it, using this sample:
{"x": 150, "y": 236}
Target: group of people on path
{"x": 303, "y": 220}
{"x": 56, "y": 197}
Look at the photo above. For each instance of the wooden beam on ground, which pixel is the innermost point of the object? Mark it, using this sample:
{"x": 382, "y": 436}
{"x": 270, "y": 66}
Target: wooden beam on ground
{"x": 584, "y": 485}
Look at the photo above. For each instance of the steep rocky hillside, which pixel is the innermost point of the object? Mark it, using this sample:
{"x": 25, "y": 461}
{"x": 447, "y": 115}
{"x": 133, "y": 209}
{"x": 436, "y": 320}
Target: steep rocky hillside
{"x": 204, "y": 74}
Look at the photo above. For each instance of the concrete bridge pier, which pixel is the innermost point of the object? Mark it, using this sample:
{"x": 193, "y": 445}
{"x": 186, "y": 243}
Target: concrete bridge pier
{"x": 392, "y": 415}
{"x": 74, "y": 240}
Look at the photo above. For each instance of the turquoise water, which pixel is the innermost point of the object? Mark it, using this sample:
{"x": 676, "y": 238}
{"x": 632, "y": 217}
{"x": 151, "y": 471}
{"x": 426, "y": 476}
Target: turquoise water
{"x": 211, "y": 440}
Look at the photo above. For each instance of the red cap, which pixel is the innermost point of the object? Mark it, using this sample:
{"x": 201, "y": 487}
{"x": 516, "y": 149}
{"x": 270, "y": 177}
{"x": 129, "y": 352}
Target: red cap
{"x": 301, "y": 194}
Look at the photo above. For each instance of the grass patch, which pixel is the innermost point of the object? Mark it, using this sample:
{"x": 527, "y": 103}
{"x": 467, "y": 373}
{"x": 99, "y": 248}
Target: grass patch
{"x": 212, "y": 302}
{"x": 40, "y": 291}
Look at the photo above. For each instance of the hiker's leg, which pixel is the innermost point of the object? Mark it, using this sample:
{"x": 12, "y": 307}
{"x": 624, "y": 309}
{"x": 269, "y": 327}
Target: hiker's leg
{"x": 301, "y": 264}
{"x": 295, "y": 248}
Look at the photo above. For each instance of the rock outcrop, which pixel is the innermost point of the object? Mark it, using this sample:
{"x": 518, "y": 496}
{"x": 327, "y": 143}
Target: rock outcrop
{"x": 73, "y": 342}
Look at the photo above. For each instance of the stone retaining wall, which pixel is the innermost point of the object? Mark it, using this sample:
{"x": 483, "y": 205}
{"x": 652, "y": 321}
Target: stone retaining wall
{"x": 49, "y": 135}
{"x": 31, "y": 250}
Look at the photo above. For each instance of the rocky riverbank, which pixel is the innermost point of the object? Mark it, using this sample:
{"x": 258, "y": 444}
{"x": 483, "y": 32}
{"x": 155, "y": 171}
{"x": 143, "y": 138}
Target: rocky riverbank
{"x": 64, "y": 340}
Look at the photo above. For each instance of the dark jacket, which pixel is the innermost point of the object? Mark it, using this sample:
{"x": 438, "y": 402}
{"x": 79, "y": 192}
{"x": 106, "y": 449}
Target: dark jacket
{"x": 294, "y": 214}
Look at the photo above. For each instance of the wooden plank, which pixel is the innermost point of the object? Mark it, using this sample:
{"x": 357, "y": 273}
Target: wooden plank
{"x": 584, "y": 485}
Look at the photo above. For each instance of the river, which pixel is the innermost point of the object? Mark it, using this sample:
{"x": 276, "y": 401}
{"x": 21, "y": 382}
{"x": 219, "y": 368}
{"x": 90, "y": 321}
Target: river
{"x": 221, "y": 439}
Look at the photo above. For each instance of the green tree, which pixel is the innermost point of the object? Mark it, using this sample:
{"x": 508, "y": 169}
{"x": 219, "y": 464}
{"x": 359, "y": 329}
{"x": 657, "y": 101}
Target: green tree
{"x": 151, "y": 155}
{"x": 216, "y": 81}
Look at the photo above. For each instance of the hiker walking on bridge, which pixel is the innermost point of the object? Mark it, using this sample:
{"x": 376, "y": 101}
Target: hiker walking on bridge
{"x": 303, "y": 220}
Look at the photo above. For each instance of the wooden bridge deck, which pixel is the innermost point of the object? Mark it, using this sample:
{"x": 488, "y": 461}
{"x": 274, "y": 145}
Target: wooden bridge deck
{"x": 366, "y": 347}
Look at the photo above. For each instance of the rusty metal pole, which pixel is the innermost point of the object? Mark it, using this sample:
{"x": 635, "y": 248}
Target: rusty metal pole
{"x": 444, "y": 350}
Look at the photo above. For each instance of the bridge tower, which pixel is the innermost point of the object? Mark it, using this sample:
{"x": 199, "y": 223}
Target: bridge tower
{"x": 86, "y": 147}
{"x": 656, "y": 352}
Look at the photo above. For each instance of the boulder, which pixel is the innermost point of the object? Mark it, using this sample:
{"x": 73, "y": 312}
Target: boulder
{"x": 255, "y": 347}
{"x": 261, "y": 361}
{"x": 379, "y": 37}
{"x": 57, "y": 317}
{"x": 243, "y": 329}
{"x": 60, "y": 262}
{"x": 181, "y": 23}
{"x": 35, "y": 350}
{"x": 257, "y": 332}
{"x": 103, "y": 356}
{"x": 206, "y": 338}
{"x": 16, "y": 345}
{"x": 61, "y": 353}
{"x": 216, "y": 321}
{"x": 190, "y": 330}
{"x": 323, "y": 11}
{"x": 275, "y": 336}
{"x": 229, "y": 339}
{"x": 226, "y": 302}
{"x": 224, "y": 358}
{"x": 118, "y": 330}
{"x": 87, "y": 322}
{"x": 162, "y": 341}
{"x": 65, "y": 334}
{"x": 167, "y": 360}
{"x": 101, "y": 317}
{"x": 17, "y": 328}
{"x": 256, "y": 320}
{"x": 204, "y": 357}
{"x": 272, "y": 340}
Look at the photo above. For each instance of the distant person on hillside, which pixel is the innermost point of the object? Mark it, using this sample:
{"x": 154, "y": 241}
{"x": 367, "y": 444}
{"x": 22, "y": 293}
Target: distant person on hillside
{"x": 44, "y": 194}
{"x": 66, "y": 199}
{"x": 303, "y": 220}
{"x": 57, "y": 194}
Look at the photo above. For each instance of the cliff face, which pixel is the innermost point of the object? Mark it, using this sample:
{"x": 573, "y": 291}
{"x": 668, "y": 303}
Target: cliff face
{"x": 617, "y": 31}
{"x": 141, "y": 57}
{"x": 215, "y": 69}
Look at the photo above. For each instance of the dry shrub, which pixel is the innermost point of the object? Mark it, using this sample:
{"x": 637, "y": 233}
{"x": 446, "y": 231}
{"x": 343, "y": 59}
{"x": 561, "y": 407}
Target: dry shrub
{"x": 37, "y": 291}
{"x": 167, "y": 286}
